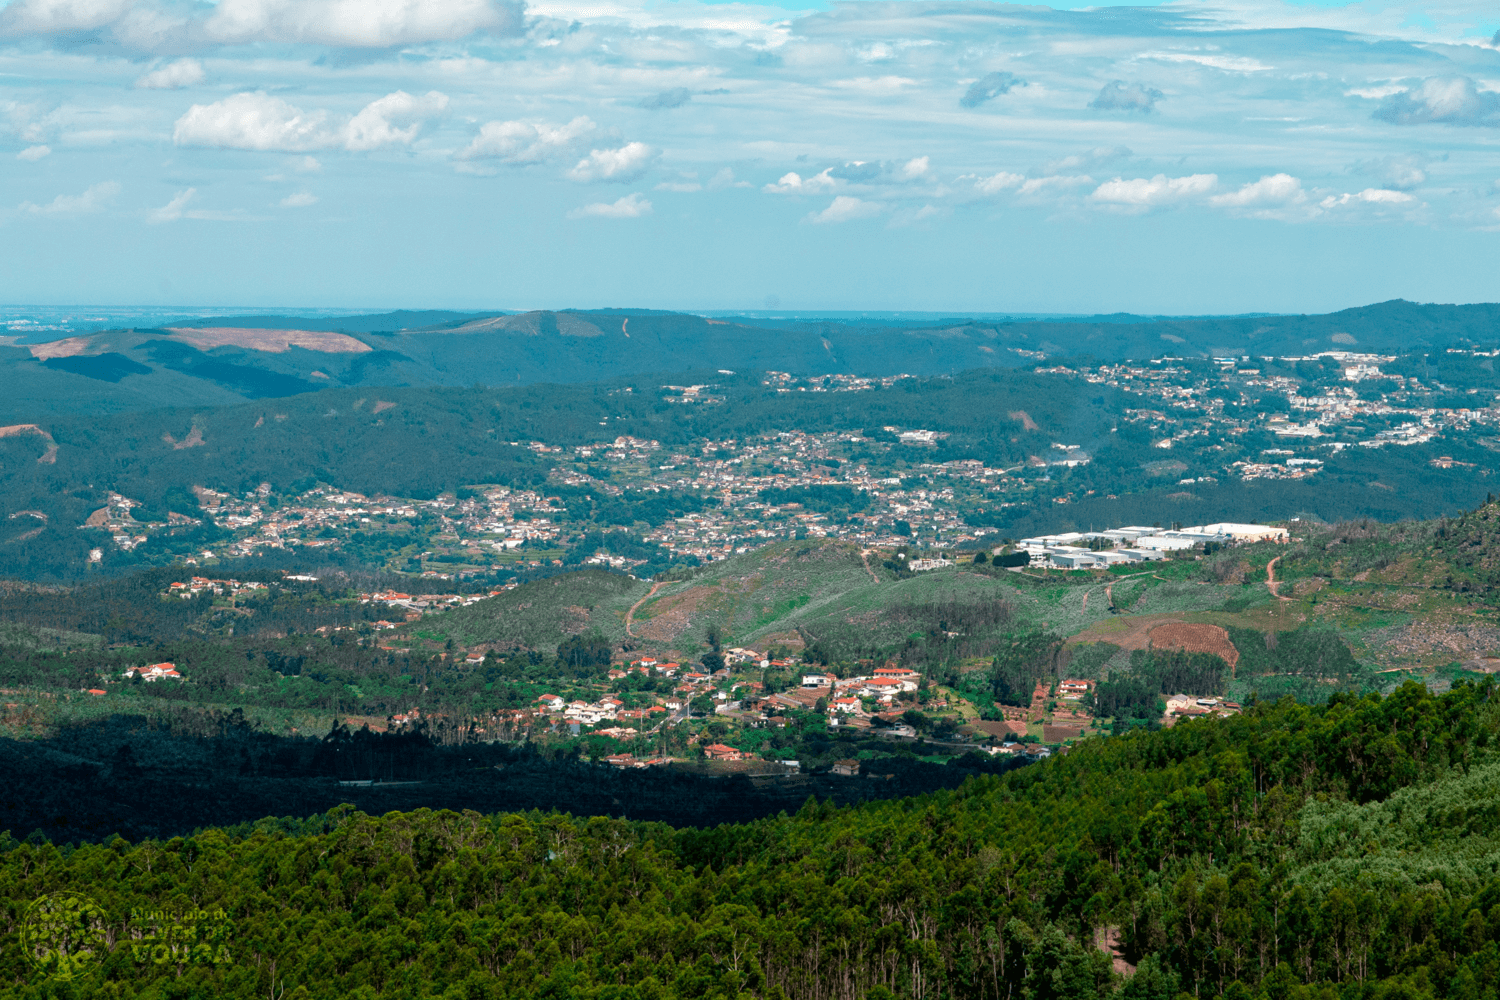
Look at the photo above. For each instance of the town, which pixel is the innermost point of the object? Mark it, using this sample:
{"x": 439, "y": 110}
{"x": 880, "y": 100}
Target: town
{"x": 877, "y": 487}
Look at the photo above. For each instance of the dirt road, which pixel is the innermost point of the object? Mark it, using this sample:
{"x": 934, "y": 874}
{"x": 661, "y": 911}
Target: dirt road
{"x": 864, "y": 557}
{"x": 1271, "y": 583}
{"x": 630, "y": 615}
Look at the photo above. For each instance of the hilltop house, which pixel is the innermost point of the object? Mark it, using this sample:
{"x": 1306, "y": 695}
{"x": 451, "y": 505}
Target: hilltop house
{"x": 154, "y": 672}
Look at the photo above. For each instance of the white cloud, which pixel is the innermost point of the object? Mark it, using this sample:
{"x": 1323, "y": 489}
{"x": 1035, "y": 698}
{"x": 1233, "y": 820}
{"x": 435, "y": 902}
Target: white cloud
{"x": 632, "y": 206}
{"x": 33, "y": 153}
{"x": 358, "y": 23}
{"x": 1272, "y": 191}
{"x": 521, "y": 142}
{"x": 1379, "y": 197}
{"x": 308, "y": 165}
{"x": 302, "y": 199}
{"x": 1447, "y": 100}
{"x": 681, "y": 187}
{"x": 623, "y": 165}
{"x": 995, "y": 183}
{"x": 162, "y": 26}
{"x": 1142, "y": 192}
{"x": 258, "y": 121}
{"x": 95, "y": 199}
{"x": 1035, "y": 187}
{"x": 172, "y": 210}
{"x": 918, "y": 167}
{"x": 173, "y": 76}
{"x": 793, "y": 183}
{"x": 254, "y": 121}
{"x": 1231, "y": 64}
{"x": 844, "y": 209}
{"x": 393, "y": 120}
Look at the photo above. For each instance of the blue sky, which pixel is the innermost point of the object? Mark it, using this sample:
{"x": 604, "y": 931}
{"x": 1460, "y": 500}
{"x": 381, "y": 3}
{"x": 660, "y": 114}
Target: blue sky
{"x": 1187, "y": 157}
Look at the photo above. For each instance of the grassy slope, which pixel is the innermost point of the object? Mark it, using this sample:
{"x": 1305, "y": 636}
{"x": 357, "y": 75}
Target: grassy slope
{"x": 541, "y": 614}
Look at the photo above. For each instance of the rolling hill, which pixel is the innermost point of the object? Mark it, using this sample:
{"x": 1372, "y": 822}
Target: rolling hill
{"x": 223, "y": 360}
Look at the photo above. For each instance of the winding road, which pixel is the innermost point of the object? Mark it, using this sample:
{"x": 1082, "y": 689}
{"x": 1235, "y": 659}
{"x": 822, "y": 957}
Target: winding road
{"x": 630, "y": 615}
{"x": 1271, "y": 583}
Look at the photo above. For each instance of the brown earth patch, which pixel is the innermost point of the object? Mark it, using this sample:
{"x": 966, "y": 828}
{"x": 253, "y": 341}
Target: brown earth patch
{"x": 67, "y": 348}
{"x": 1132, "y": 632}
{"x": 382, "y": 405}
{"x": 1027, "y": 423}
{"x": 1057, "y": 734}
{"x": 1000, "y": 729}
{"x": 193, "y": 440}
{"x": 791, "y": 640}
{"x": 49, "y": 457}
{"x": 1196, "y": 639}
{"x": 670, "y": 616}
{"x": 271, "y": 341}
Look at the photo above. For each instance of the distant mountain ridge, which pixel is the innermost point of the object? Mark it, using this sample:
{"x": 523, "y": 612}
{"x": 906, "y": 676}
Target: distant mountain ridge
{"x": 253, "y": 357}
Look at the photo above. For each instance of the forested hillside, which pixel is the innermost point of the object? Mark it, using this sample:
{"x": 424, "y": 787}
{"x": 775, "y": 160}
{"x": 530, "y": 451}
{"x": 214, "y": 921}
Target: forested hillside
{"x": 422, "y": 442}
{"x": 122, "y": 370}
{"x": 1291, "y": 852}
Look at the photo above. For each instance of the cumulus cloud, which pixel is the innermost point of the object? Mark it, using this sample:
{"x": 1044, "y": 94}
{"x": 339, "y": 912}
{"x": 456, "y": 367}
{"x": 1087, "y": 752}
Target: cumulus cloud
{"x": 845, "y": 209}
{"x": 33, "y": 153}
{"x": 1369, "y": 196}
{"x": 173, "y": 76}
{"x": 995, "y": 183}
{"x": 870, "y": 172}
{"x": 1117, "y": 95}
{"x": 259, "y": 121}
{"x": 623, "y": 165}
{"x": 519, "y": 142}
{"x": 95, "y": 199}
{"x": 1038, "y": 187}
{"x": 674, "y": 98}
{"x": 919, "y": 167}
{"x": 393, "y": 120}
{"x": 989, "y": 87}
{"x": 794, "y": 183}
{"x": 1273, "y": 191}
{"x": 159, "y": 25}
{"x": 1151, "y": 192}
{"x": 172, "y": 210}
{"x": 632, "y": 206}
{"x": 1447, "y": 100}
{"x": 302, "y": 199}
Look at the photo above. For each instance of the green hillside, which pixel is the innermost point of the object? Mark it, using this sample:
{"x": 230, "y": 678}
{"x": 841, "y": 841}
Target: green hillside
{"x": 1219, "y": 858}
{"x": 543, "y": 613}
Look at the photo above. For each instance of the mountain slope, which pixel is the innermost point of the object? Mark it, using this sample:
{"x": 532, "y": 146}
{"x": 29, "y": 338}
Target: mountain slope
{"x": 218, "y": 360}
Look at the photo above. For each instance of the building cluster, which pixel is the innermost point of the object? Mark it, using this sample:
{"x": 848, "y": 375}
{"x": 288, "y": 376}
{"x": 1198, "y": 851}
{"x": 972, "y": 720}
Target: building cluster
{"x": 1135, "y": 543}
{"x": 218, "y": 588}
{"x": 153, "y": 672}
{"x": 1202, "y": 421}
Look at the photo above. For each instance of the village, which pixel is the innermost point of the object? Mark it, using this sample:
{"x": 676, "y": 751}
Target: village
{"x": 894, "y": 492}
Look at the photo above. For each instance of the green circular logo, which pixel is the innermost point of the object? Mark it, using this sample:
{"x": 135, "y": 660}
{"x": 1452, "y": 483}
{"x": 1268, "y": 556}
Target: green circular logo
{"x": 63, "y": 934}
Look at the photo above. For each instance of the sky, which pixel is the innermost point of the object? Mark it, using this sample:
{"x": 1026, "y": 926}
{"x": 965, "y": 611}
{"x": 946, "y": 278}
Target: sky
{"x": 1193, "y": 157}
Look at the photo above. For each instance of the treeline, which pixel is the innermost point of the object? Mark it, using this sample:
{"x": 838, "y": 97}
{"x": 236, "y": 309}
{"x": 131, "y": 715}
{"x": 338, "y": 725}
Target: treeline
{"x": 1221, "y": 856}
{"x": 1155, "y": 672}
{"x": 170, "y": 773}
